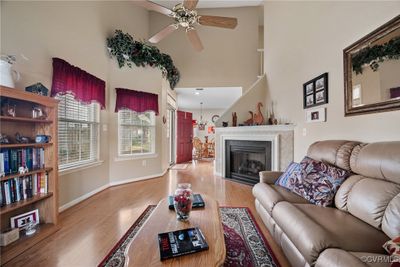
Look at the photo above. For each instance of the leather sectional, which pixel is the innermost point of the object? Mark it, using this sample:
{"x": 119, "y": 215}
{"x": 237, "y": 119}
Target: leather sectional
{"x": 365, "y": 215}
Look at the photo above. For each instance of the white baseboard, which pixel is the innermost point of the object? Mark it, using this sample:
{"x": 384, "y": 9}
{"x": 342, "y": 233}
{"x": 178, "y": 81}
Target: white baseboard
{"x": 136, "y": 179}
{"x": 101, "y": 188}
{"x": 82, "y": 198}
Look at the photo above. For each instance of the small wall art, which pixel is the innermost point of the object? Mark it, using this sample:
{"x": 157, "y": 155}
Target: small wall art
{"x": 315, "y": 91}
{"x": 316, "y": 115}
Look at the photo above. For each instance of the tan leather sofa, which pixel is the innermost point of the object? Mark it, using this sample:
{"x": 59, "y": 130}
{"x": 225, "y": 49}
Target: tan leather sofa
{"x": 365, "y": 215}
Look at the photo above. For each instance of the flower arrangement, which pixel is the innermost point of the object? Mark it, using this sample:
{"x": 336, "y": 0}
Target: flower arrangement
{"x": 128, "y": 51}
{"x": 183, "y": 200}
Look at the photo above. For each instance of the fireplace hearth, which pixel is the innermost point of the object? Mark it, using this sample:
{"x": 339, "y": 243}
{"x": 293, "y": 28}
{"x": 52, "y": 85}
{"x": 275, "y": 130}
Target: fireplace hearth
{"x": 245, "y": 159}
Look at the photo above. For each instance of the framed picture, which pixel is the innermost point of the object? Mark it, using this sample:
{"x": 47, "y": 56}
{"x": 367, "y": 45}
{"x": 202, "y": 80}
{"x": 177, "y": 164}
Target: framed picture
{"x": 316, "y": 115}
{"x": 309, "y": 88}
{"x": 315, "y": 91}
{"x": 22, "y": 220}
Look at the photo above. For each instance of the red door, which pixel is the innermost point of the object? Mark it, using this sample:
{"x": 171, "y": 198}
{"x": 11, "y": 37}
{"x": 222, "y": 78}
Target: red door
{"x": 184, "y": 137}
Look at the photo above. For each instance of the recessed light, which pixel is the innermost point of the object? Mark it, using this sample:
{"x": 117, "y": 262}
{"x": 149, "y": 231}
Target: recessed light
{"x": 196, "y": 93}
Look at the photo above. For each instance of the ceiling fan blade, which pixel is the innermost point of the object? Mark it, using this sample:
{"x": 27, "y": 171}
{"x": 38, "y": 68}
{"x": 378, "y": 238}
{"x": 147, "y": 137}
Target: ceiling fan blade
{"x": 216, "y": 21}
{"x": 163, "y": 33}
{"x": 194, "y": 39}
{"x": 190, "y": 4}
{"x": 154, "y": 7}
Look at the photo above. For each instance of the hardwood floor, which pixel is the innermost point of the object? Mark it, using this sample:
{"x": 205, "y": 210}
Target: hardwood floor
{"x": 90, "y": 229}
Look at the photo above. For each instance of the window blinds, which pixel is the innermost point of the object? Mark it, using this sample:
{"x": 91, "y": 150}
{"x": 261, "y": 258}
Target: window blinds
{"x": 136, "y": 132}
{"x": 78, "y": 132}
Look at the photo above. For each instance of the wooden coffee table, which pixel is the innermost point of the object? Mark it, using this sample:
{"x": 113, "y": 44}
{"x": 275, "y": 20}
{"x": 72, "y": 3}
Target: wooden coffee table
{"x": 143, "y": 250}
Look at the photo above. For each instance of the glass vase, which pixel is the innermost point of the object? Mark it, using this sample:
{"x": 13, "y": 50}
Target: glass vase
{"x": 183, "y": 199}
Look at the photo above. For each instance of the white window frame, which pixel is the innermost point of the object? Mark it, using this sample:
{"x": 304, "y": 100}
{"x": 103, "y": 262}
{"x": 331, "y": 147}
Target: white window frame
{"x": 82, "y": 164}
{"x": 358, "y": 99}
{"x": 151, "y": 154}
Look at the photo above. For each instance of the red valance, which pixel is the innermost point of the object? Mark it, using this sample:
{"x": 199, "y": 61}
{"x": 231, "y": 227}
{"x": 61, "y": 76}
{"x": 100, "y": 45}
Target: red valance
{"x": 84, "y": 86}
{"x": 136, "y": 100}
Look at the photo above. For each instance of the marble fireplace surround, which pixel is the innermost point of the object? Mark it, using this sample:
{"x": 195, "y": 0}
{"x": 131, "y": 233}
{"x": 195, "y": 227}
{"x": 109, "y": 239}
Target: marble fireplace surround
{"x": 281, "y": 137}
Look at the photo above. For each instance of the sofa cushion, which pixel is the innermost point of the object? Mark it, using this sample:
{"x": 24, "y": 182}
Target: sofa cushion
{"x": 319, "y": 181}
{"x": 391, "y": 219}
{"x": 338, "y": 258}
{"x": 349, "y": 232}
{"x": 268, "y": 195}
{"x": 289, "y": 177}
{"x": 307, "y": 236}
{"x": 335, "y": 152}
{"x": 377, "y": 160}
{"x": 369, "y": 198}
{"x": 313, "y": 229}
{"x": 342, "y": 195}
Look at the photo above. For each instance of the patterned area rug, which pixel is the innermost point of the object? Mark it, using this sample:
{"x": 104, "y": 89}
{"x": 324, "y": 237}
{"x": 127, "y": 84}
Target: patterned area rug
{"x": 245, "y": 244}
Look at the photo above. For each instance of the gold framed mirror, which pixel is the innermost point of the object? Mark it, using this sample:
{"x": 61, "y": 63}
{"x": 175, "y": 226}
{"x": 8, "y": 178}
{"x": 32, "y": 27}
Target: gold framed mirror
{"x": 372, "y": 71}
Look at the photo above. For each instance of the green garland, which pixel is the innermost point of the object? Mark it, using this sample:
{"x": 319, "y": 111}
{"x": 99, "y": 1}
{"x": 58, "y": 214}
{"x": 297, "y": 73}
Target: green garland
{"x": 375, "y": 54}
{"x": 128, "y": 51}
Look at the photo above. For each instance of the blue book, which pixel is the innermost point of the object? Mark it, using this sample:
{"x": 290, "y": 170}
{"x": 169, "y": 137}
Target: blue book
{"x": 13, "y": 161}
{"x": 6, "y": 161}
{"x": 29, "y": 154}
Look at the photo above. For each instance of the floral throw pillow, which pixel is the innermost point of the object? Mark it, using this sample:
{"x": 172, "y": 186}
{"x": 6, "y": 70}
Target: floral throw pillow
{"x": 290, "y": 176}
{"x": 319, "y": 181}
{"x": 393, "y": 248}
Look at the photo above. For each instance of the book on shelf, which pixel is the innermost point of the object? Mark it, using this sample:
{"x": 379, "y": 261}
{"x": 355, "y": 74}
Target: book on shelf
{"x": 198, "y": 202}
{"x": 12, "y": 159}
{"x": 21, "y": 188}
{"x": 182, "y": 242}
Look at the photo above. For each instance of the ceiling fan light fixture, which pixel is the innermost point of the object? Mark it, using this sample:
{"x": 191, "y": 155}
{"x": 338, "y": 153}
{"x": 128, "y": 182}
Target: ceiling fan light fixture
{"x": 186, "y": 16}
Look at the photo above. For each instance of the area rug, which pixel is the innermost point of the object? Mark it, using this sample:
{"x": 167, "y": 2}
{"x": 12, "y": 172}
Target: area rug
{"x": 245, "y": 244}
{"x": 179, "y": 167}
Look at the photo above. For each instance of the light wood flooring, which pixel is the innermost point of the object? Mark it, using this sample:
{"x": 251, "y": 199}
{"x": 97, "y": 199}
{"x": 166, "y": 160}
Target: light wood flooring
{"x": 90, "y": 229}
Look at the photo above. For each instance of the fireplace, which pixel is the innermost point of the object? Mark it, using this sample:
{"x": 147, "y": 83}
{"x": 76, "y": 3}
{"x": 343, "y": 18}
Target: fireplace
{"x": 244, "y": 159}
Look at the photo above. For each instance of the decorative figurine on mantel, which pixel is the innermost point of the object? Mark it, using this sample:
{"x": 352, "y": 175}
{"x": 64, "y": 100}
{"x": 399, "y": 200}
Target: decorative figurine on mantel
{"x": 272, "y": 120}
{"x": 258, "y": 116}
{"x": 224, "y": 124}
{"x": 250, "y": 121}
{"x": 234, "y": 119}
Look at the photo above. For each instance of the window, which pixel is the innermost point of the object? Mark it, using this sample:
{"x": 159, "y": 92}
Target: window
{"x": 78, "y": 132}
{"x": 357, "y": 95}
{"x": 137, "y": 133}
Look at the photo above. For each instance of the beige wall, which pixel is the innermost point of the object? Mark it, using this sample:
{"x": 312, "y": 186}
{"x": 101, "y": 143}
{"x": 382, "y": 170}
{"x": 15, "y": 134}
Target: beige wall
{"x": 229, "y": 57}
{"x": 77, "y": 32}
{"x": 305, "y": 39}
{"x": 247, "y": 102}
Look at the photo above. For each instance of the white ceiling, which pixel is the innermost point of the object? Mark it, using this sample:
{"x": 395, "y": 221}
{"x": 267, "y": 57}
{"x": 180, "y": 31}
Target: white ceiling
{"x": 212, "y": 4}
{"x": 212, "y": 97}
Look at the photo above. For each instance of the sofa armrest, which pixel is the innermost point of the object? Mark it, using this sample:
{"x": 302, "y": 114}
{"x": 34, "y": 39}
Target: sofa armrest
{"x": 269, "y": 177}
{"x": 333, "y": 257}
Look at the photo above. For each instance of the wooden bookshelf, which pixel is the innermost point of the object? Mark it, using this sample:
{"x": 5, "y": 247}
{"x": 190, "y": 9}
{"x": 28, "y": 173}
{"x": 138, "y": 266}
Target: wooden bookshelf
{"x": 22, "y": 119}
{"x": 25, "y": 145}
{"x": 15, "y": 175}
{"x": 24, "y": 242}
{"x": 23, "y": 203}
{"x": 47, "y": 204}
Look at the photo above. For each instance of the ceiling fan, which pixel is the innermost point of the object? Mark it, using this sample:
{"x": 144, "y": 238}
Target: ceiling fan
{"x": 186, "y": 16}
